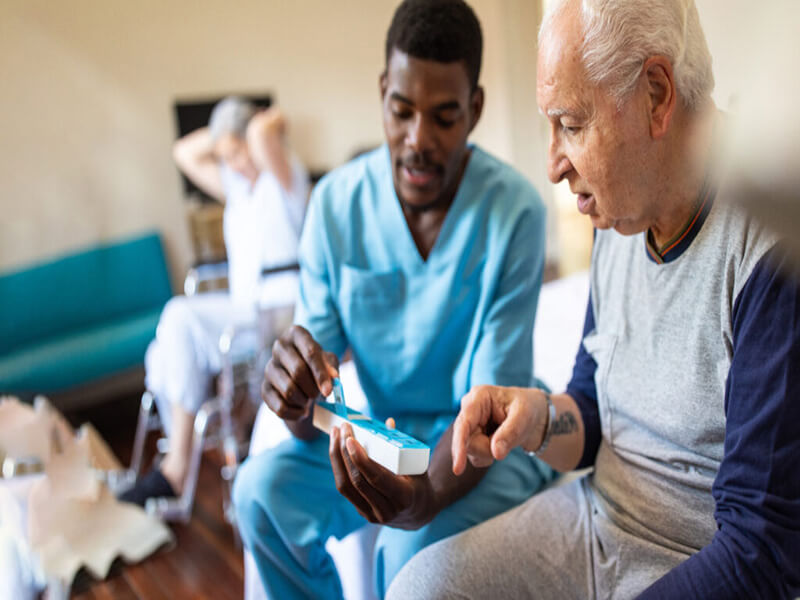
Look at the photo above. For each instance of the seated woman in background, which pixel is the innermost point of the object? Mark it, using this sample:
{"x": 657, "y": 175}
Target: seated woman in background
{"x": 241, "y": 159}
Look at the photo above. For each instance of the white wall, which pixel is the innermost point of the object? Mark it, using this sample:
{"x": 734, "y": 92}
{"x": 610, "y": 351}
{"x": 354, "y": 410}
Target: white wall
{"x": 731, "y": 37}
{"x": 88, "y": 86}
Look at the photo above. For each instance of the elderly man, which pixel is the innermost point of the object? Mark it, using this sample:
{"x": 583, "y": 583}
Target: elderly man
{"x": 685, "y": 391}
{"x": 424, "y": 259}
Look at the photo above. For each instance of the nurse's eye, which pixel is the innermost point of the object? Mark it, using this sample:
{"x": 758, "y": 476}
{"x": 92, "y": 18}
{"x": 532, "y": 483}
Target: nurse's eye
{"x": 401, "y": 113}
{"x": 445, "y": 123}
{"x": 447, "y": 117}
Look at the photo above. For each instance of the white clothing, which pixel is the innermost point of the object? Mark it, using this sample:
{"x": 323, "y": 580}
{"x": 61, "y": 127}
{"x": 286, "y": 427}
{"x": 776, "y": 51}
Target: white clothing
{"x": 185, "y": 355}
{"x": 261, "y": 225}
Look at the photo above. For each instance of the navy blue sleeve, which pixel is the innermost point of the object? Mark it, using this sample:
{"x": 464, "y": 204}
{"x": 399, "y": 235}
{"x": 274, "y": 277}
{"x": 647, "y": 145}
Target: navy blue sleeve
{"x": 756, "y": 550}
{"x": 582, "y": 389}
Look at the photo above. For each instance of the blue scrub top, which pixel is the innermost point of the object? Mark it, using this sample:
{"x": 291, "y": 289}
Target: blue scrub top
{"x": 423, "y": 332}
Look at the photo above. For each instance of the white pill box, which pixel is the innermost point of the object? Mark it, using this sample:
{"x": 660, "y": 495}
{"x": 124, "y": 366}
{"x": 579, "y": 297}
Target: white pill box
{"x": 395, "y": 450}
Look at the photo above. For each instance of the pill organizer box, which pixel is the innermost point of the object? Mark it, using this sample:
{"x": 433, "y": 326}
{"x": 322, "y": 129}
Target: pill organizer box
{"x": 393, "y": 449}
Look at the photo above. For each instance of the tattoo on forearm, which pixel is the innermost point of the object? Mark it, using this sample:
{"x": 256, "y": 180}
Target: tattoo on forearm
{"x": 564, "y": 424}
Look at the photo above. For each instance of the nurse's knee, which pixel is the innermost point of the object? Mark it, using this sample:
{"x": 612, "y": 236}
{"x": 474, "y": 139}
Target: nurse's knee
{"x": 253, "y": 491}
{"x": 397, "y": 546}
{"x": 243, "y": 494}
{"x": 394, "y": 548}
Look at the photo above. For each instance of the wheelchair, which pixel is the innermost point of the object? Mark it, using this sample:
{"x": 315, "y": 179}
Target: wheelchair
{"x": 245, "y": 351}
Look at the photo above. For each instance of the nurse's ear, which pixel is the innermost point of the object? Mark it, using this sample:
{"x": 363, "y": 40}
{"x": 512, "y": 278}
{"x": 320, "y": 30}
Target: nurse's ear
{"x": 383, "y": 84}
{"x": 476, "y": 107}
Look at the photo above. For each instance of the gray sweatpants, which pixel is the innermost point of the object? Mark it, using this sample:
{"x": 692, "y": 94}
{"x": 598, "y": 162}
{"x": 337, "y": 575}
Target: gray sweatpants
{"x": 559, "y": 544}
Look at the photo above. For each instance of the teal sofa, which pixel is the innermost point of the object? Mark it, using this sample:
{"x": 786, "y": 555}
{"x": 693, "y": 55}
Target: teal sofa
{"x": 75, "y": 327}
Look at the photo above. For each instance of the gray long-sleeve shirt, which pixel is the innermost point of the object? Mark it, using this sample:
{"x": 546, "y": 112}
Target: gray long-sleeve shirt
{"x": 688, "y": 379}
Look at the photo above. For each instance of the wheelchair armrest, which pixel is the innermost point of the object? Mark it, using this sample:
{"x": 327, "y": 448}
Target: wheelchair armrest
{"x": 286, "y": 268}
{"x": 233, "y": 333}
{"x": 203, "y": 273}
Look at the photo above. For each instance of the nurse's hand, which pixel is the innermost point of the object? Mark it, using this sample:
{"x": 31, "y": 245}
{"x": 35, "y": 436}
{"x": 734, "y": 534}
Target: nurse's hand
{"x": 298, "y": 373}
{"x": 380, "y": 496}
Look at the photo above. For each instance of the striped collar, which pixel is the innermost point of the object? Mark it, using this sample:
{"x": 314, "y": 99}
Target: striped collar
{"x": 684, "y": 238}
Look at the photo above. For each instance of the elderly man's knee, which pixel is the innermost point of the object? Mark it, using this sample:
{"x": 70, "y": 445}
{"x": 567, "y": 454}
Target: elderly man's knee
{"x": 425, "y": 575}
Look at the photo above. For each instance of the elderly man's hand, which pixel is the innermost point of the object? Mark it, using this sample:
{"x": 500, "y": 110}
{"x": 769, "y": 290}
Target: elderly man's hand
{"x": 380, "y": 496}
{"x": 298, "y": 373}
{"x": 493, "y": 420}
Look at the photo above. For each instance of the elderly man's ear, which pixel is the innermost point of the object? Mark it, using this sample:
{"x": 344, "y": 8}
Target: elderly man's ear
{"x": 662, "y": 94}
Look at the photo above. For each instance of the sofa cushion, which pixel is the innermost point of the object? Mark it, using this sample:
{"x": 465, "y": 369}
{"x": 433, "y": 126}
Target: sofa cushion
{"x": 44, "y": 302}
{"x": 74, "y": 359}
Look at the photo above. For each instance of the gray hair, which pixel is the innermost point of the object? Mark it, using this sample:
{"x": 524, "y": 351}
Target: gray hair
{"x": 620, "y": 35}
{"x": 230, "y": 116}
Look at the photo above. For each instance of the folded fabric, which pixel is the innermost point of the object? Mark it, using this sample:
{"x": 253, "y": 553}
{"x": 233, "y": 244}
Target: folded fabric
{"x": 73, "y": 520}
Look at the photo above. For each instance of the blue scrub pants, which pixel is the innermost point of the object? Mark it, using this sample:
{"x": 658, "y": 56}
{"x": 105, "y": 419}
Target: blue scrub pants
{"x": 287, "y": 506}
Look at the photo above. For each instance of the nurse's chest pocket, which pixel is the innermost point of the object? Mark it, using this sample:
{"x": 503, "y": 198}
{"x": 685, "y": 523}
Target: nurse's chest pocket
{"x": 372, "y": 305}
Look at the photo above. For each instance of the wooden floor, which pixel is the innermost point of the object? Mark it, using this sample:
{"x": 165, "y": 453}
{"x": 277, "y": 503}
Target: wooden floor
{"x": 205, "y": 561}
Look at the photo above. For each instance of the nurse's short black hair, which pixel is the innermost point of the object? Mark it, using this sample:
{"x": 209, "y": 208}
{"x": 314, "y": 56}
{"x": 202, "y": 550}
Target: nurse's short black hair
{"x": 440, "y": 30}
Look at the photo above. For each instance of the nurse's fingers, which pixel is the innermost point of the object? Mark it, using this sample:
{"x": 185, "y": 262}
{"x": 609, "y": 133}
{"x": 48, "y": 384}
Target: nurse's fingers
{"x": 287, "y": 356}
{"x": 342, "y": 478}
{"x": 290, "y": 399}
{"x": 363, "y": 475}
{"x": 333, "y": 363}
{"x": 314, "y": 356}
{"x": 383, "y": 485}
{"x": 276, "y": 404}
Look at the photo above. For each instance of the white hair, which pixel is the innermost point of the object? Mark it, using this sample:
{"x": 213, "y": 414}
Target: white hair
{"x": 230, "y": 116}
{"x": 620, "y": 35}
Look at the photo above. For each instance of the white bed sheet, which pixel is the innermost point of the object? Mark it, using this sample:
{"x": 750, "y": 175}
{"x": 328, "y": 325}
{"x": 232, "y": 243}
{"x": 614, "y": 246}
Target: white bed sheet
{"x": 559, "y": 325}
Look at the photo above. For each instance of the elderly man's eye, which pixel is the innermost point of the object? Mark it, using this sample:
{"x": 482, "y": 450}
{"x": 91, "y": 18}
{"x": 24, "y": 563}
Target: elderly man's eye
{"x": 571, "y": 129}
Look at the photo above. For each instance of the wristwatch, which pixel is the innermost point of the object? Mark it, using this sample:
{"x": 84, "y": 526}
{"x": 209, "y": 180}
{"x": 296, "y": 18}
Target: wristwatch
{"x": 548, "y": 428}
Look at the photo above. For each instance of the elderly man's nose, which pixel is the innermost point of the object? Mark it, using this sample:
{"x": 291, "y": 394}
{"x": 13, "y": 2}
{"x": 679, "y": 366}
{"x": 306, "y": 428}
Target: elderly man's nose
{"x": 557, "y": 169}
{"x": 558, "y": 165}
